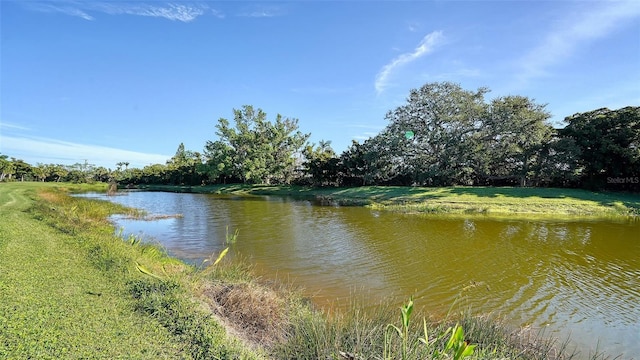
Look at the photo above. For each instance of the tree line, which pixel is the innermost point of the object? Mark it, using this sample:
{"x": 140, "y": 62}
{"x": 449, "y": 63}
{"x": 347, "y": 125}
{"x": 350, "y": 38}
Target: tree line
{"x": 443, "y": 135}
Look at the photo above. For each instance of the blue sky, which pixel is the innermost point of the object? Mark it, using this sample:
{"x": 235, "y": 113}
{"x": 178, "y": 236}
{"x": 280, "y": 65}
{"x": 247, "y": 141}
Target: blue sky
{"x": 129, "y": 81}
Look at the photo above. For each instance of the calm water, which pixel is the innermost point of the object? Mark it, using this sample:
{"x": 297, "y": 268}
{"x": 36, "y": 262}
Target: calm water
{"x": 572, "y": 278}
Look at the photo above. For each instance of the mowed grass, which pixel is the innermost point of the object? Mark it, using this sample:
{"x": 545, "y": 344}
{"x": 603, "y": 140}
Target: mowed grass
{"x": 55, "y": 304}
{"x": 492, "y": 201}
{"x": 69, "y": 289}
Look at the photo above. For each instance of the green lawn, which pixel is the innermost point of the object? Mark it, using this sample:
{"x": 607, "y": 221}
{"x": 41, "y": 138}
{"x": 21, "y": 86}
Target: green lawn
{"x": 495, "y": 201}
{"x": 55, "y": 304}
{"x": 69, "y": 289}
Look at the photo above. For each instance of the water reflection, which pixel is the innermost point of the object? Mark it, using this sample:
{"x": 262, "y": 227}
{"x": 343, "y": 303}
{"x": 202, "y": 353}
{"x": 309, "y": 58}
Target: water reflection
{"x": 574, "y": 278}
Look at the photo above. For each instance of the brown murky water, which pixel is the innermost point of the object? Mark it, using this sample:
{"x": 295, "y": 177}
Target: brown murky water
{"x": 573, "y": 278}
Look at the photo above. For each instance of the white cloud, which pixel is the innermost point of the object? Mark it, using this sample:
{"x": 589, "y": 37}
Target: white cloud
{"x": 175, "y": 12}
{"x": 414, "y": 26}
{"x": 428, "y": 43}
{"x": 43, "y": 150}
{"x": 64, "y": 7}
{"x": 575, "y": 31}
{"x": 6, "y": 125}
{"x": 262, "y": 11}
{"x": 258, "y": 14}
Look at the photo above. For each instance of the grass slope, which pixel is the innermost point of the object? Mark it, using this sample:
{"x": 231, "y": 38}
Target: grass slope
{"x": 495, "y": 201}
{"x": 69, "y": 289}
{"x": 55, "y": 304}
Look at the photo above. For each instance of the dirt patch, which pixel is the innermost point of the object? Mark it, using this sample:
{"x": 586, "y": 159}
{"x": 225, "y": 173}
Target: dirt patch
{"x": 254, "y": 313}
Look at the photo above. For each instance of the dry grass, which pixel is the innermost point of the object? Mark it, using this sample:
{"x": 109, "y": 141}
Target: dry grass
{"x": 255, "y": 313}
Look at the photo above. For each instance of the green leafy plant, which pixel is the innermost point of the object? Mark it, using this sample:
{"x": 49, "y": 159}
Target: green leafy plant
{"x": 231, "y": 239}
{"x": 457, "y": 344}
{"x": 456, "y": 347}
{"x": 403, "y": 331}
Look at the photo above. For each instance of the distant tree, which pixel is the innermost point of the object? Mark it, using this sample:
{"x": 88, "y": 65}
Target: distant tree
{"x": 21, "y": 169}
{"x": 6, "y": 168}
{"x": 260, "y": 151}
{"x": 59, "y": 172}
{"x": 100, "y": 174}
{"x": 557, "y": 164}
{"x": 321, "y": 164}
{"x": 183, "y": 167}
{"x": 40, "y": 172}
{"x": 607, "y": 146}
{"x": 219, "y": 162}
{"x": 360, "y": 164}
{"x": 513, "y": 135}
{"x": 431, "y": 136}
{"x": 154, "y": 174}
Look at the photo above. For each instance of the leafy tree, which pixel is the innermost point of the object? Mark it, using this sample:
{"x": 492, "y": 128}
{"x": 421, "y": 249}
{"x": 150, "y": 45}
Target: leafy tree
{"x": 100, "y": 174}
{"x": 59, "y": 172}
{"x": 183, "y": 167}
{"x": 80, "y": 172}
{"x": 513, "y": 134}
{"x": 219, "y": 162}
{"x": 154, "y": 174}
{"x": 259, "y": 151}
{"x": 40, "y": 172}
{"x": 365, "y": 164}
{"x": 607, "y": 146}
{"x": 21, "y": 169}
{"x": 6, "y": 167}
{"x": 321, "y": 164}
{"x": 557, "y": 165}
{"x": 430, "y": 138}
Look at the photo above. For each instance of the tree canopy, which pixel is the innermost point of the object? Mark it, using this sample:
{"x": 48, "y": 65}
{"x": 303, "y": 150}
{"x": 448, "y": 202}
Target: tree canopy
{"x": 256, "y": 150}
{"x": 443, "y": 135}
{"x": 606, "y": 146}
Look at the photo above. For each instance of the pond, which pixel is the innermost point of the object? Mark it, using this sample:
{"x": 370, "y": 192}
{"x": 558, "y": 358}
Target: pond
{"x": 577, "y": 279}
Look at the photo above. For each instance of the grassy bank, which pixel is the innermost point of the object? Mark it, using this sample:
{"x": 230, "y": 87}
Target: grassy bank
{"x": 70, "y": 289}
{"x": 493, "y": 201}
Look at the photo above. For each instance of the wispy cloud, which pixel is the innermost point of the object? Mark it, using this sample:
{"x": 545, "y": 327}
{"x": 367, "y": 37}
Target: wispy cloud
{"x": 428, "y": 43}
{"x": 414, "y": 26}
{"x": 258, "y": 14}
{"x": 597, "y": 21}
{"x": 174, "y": 12}
{"x": 70, "y": 8}
{"x": 261, "y": 11}
{"x": 6, "y": 125}
{"x": 183, "y": 12}
{"x": 44, "y": 150}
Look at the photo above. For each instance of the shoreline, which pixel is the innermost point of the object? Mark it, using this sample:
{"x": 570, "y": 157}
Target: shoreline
{"x": 495, "y": 202}
{"x": 205, "y": 309}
